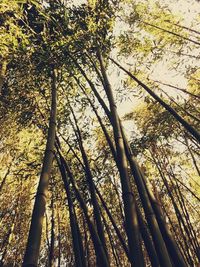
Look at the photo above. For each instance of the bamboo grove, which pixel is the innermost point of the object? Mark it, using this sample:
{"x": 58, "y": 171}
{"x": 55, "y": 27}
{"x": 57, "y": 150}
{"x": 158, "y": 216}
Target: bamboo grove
{"x": 78, "y": 188}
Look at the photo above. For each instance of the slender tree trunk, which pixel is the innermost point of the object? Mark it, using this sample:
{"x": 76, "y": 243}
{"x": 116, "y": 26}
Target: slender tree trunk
{"x": 80, "y": 239}
{"x": 3, "y": 68}
{"x": 145, "y": 234}
{"x": 181, "y": 108}
{"x": 185, "y": 124}
{"x": 91, "y": 185}
{"x": 159, "y": 246}
{"x": 179, "y": 89}
{"x": 149, "y": 213}
{"x": 192, "y": 235}
{"x": 171, "y": 245}
{"x": 5, "y": 177}
{"x": 100, "y": 252}
{"x": 73, "y": 221}
{"x": 108, "y": 139}
{"x": 59, "y": 239}
{"x": 71, "y": 149}
{"x": 184, "y": 27}
{"x": 103, "y": 202}
{"x": 192, "y": 156}
{"x": 121, "y": 239}
{"x": 7, "y": 240}
{"x": 111, "y": 242}
{"x": 187, "y": 224}
{"x": 174, "y": 202}
{"x": 95, "y": 67}
{"x": 91, "y": 86}
{"x": 132, "y": 227}
{"x": 173, "y": 33}
{"x": 86, "y": 243}
{"x": 180, "y": 236}
{"x": 52, "y": 242}
{"x": 187, "y": 188}
{"x": 147, "y": 241}
{"x": 47, "y": 235}
{"x": 35, "y": 232}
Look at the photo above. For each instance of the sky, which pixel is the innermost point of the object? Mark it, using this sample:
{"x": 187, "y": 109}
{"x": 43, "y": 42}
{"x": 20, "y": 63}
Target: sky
{"x": 160, "y": 71}
{"x": 188, "y": 10}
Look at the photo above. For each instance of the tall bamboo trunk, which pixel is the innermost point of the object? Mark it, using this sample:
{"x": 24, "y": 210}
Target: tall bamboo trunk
{"x": 86, "y": 242}
{"x": 118, "y": 233}
{"x": 132, "y": 227}
{"x": 180, "y": 236}
{"x": 147, "y": 240}
{"x": 80, "y": 239}
{"x": 174, "y": 203}
{"x": 6, "y": 241}
{"x": 108, "y": 139}
{"x": 91, "y": 186}
{"x": 92, "y": 86}
{"x": 161, "y": 249}
{"x": 146, "y": 237}
{"x": 73, "y": 221}
{"x": 157, "y": 237}
{"x": 3, "y": 67}
{"x": 100, "y": 252}
{"x": 192, "y": 155}
{"x": 52, "y": 241}
{"x": 59, "y": 238}
{"x": 113, "y": 248}
{"x": 186, "y": 223}
{"x": 153, "y": 257}
{"x": 171, "y": 245}
{"x": 35, "y": 232}
{"x": 191, "y": 233}
{"x": 149, "y": 212}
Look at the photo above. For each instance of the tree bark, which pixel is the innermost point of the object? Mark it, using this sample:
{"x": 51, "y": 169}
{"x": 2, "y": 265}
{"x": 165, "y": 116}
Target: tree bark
{"x": 89, "y": 177}
{"x": 121, "y": 239}
{"x": 132, "y": 227}
{"x": 35, "y": 232}
{"x": 147, "y": 206}
{"x": 52, "y": 241}
{"x": 171, "y": 245}
{"x": 73, "y": 221}
{"x": 100, "y": 252}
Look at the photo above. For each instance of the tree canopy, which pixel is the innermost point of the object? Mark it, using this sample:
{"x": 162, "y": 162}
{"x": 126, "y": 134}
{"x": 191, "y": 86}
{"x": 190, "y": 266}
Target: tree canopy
{"x": 99, "y": 112}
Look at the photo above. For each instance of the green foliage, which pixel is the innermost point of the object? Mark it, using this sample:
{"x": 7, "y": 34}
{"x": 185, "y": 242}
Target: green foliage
{"x": 36, "y": 36}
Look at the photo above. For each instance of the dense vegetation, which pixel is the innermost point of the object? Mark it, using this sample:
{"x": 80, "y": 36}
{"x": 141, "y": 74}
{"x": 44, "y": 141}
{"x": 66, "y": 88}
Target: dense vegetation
{"x": 99, "y": 153}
